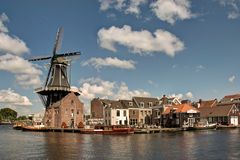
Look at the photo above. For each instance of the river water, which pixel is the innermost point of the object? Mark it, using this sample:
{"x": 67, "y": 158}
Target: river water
{"x": 211, "y": 144}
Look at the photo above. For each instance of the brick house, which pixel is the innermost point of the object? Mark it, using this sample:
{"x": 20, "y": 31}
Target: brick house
{"x": 68, "y": 112}
{"x": 157, "y": 110}
{"x": 97, "y": 108}
{"x": 225, "y": 114}
{"x": 179, "y": 116}
{"x": 140, "y": 112}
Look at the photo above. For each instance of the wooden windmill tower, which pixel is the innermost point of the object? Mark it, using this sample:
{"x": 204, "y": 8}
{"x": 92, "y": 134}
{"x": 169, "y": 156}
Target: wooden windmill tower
{"x": 63, "y": 108}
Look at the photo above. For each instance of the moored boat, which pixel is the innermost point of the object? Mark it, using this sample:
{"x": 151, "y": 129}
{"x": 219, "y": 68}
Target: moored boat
{"x": 202, "y": 126}
{"x": 17, "y": 126}
{"x": 108, "y": 130}
{"x": 35, "y": 128}
{"x": 210, "y": 126}
{"x": 226, "y": 126}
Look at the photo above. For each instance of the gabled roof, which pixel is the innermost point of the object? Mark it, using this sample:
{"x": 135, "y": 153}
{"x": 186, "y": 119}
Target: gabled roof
{"x": 232, "y": 96}
{"x": 181, "y": 108}
{"x": 235, "y": 98}
{"x": 217, "y": 111}
{"x": 208, "y": 103}
{"x": 116, "y": 105}
{"x": 145, "y": 100}
{"x": 125, "y": 103}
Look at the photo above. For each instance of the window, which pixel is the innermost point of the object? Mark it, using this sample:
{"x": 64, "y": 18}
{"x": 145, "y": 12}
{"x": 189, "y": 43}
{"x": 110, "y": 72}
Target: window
{"x": 142, "y": 113}
{"x": 150, "y": 104}
{"x": 133, "y": 121}
{"x": 118, "y": 113}
{"x": 120, "y": 122}
{"x": 130, "y": 104}
{"x": 145, "y": 112}
{"x": 124, "y": 113}
{"x": 134, "y": 112}
{"x": 77, "y": 111}
{"x": 106, "y": 113}
{"x": 177, "y": 121}
{"x": 142, "y": 104}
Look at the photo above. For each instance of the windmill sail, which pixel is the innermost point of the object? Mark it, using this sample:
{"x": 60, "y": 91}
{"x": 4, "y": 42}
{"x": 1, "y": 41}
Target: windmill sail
{"x": 56, "y": 85}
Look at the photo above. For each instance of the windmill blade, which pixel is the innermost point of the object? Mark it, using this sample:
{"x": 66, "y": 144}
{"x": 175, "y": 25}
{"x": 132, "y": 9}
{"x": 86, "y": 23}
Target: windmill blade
{"x": 57, "y": 44}
{"x": 40, "y": 58}
{"x": 69, "y": 54}
{"x": 49, "y": 72}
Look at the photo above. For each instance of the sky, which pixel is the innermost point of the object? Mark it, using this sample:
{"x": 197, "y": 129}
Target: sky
{"x": 184, "y": 48}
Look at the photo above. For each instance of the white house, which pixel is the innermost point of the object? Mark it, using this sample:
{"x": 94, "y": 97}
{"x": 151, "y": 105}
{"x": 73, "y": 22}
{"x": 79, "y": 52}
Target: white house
{"x": 115, "y": 114}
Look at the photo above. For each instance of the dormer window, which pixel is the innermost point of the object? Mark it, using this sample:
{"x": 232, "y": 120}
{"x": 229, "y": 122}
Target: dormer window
{"x": 142, "y": 104}
{"x": 130, "y": 104}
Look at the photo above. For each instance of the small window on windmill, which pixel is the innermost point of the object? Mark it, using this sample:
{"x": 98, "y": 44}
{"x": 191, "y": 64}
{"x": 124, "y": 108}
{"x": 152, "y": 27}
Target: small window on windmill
{"x": 77, "y": 111}
{"x": 72, "y": 102}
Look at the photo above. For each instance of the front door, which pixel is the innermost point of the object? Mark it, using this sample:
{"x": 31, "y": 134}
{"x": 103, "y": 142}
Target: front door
{"x": 191, "y": 122}
{"x": 234, "y": 120}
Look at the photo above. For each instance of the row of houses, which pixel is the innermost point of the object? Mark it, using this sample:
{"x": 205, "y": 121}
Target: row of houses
{"x": 166, "y": 111}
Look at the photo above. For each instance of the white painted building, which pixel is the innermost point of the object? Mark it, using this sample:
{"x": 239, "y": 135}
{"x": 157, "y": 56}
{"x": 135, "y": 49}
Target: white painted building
{"x": 115, "y": 114}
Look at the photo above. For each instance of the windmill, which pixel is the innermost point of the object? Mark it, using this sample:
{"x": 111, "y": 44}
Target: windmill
{"x": 57, "y": 83}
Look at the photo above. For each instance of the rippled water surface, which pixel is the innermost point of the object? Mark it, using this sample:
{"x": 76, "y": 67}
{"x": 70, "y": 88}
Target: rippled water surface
{"x": 211, "y": 144}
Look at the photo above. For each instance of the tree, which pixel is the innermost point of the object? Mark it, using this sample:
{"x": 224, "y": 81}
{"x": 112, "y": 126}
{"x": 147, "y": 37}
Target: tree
{"x": 8, "y": 114}
{"x": 22, "y": 118}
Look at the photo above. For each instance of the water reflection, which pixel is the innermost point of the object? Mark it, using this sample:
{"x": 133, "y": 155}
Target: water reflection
{"x": 212, "y": 144}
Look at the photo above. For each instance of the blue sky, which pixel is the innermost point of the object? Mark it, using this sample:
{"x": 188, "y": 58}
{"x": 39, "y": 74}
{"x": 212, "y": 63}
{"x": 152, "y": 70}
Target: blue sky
{"x": 187, "y": 48}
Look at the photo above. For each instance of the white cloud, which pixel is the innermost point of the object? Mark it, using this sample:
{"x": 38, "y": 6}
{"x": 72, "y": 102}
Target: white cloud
{"x": 179, "y": 96}
{"x": 172, "y": 10}
{"x": 189, "y": 95}
{"x": 232, "y": 78}
{"x": 98, "y": 63}
{"x": 107, "y": 4}
{"x": 10, "y": 44}
{"x": 152, "y": 83}
{"x": 142, "y": 42}
{"x": 25, "y": 72}
{"x": 3, "y": 18}
{"x": 233, "y": 6}
{"x": 128, "y": 7}
{"x": 123, "y": 92}
{"x": 10, "y": 97}
{"x": 96, "y": 87}
{"x": 199, "y": 68}
{"x": 133, "y": 8}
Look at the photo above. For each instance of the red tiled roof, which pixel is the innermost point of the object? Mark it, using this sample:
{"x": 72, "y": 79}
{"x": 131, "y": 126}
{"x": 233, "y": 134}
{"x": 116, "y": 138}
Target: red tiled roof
{"x": 181, "y": 108}
{"x": 232, "y": 96}
{"x": 218, "y": 111}
{"x": 208, "y": 103}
